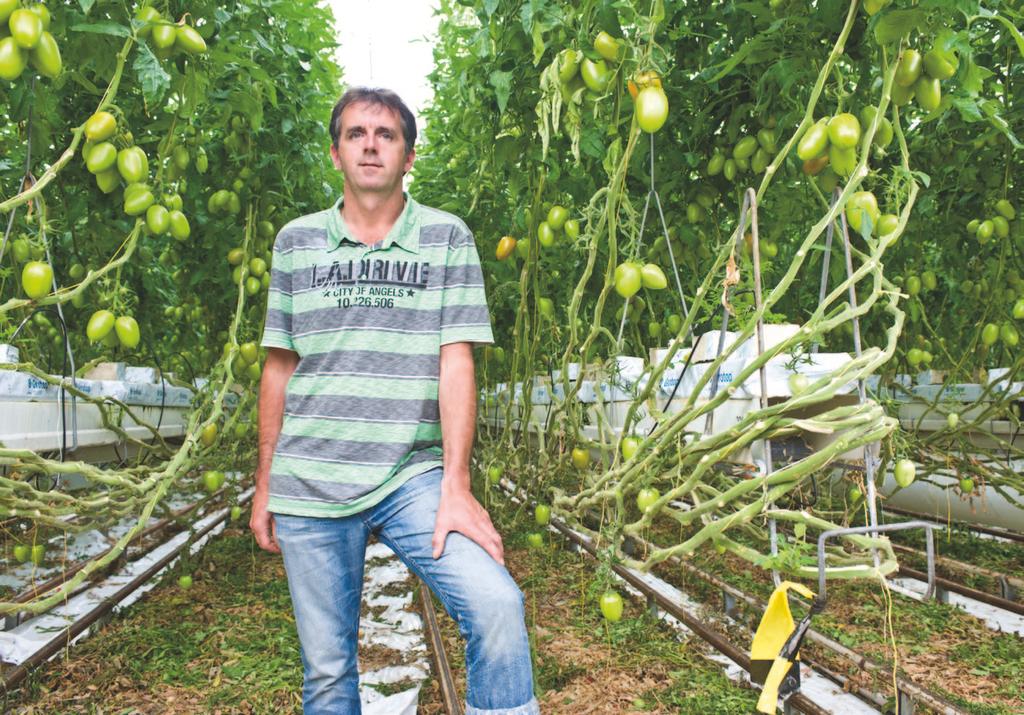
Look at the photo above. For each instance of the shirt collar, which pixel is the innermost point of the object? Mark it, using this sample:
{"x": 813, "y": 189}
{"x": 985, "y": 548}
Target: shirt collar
{"x": 405, "y": 232}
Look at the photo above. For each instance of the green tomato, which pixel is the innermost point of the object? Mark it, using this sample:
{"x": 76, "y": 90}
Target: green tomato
{"x": 213, "y": 480}
{"x": 45, "y": 56}
{"x": 652, "y": 109}
{"x": 902, "y": 95}
{"x": 108, "y": 180}
{"x": 606, "y": 46}
{"x": 572, "y": 229}
{"x": 1006, "y": 209}
{"x": 887, "y": 223}
{"x": 929, "y": 280}
{"x": 22, "y": 552}
{"x": 569, "y": 64}
{"x": 1001, "y": 226}
{"x": 185, "y": 582}
{"x": 842, "y": 161}
{"x": 985, "y": 230}
{"x": 904, "y": 472}
{"x": 26, "y": 28}
{"x": 814, "y": 142}
{"x": 629, "y": 446}
{"x": 542, "y": 514}
{"x": 137, "y": 198}
{"x": 37, "y": 279}
{"x": 966, "y": 485}
{"x": 13, "y": 59}
{"x": 1018, "y": 309}
{"x": 913, "y": 285}
{"x": 652, "y": 277}
{"x": 989, "y": 334}
{"x": 952, "y": 420}
{"x": 38, "y": 554}
{"x": 163, "y": 35}
{"x": 611, "y": 606}
{"x": 646, "y": 498}
{"x": 766, "y": 138}
{"x": 628, "y": 279}
{"x": 715, "y": 164}
{"x": 133, "y": 165}
{"x": 545, "y": 234}
{"x": 908, "y": 69}
{"x": 844, "y": 131}
{"x": 595, "y": 75}
{"x": 236, "y": 513}
{"x": 1008, "y": 334}
{"x": 674, "y": 323}
{"x": 179, "y": 225}
{"x": 100, "y": 126}
{"x": 928, "y": 93}
{"x": 158, "y": 219}
{"x": 939, "y": 64}
{"x": 494, "y": 473}
{"x": 6, "y": 8}
{"x": 862, "y": 204}
{"x": 729, "y": 169}
{"x": 147, "y": 15}
{"x": 744, "y": 148}
{"x": 128, "y": 333}
{"x": 101, "y": 157}
{"x": 101, "y": 323}
{"x": 535, "y": 540}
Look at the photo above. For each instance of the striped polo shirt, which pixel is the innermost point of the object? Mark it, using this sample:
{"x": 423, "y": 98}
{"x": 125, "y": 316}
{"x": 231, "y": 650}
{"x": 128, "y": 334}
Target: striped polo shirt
{"x": 361, "y": 414}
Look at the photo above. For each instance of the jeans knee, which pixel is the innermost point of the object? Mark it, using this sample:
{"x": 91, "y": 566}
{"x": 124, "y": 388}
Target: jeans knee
{"x": 497, "y": 622}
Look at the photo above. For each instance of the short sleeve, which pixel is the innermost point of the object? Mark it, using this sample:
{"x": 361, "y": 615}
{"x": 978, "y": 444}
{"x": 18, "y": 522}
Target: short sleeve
{"x": 464, "y": 314}
{"x": 277, "y": 328}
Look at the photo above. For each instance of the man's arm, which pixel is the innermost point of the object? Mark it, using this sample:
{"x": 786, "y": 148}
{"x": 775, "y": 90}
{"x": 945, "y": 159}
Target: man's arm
{"x": 277, "y": 370}
{"x": 459, "y": 510}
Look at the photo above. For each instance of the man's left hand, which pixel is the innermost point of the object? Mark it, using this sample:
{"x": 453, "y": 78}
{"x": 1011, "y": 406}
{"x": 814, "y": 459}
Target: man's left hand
{"x": 460, "y": 511}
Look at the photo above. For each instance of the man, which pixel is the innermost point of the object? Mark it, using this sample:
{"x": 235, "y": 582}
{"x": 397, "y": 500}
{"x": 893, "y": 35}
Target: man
{"x": 367, "y": 414}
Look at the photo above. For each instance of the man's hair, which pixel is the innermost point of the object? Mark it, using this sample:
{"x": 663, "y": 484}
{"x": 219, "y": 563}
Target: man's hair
{"x": 379, "y": 97}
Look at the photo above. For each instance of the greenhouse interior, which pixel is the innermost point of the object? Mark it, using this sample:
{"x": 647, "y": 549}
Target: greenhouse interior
{"x": 498, "y": 357}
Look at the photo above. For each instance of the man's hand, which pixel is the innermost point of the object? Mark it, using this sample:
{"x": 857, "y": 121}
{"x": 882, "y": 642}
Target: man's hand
{"x": 460, "y": 511}
{"x": 262, "y": 523}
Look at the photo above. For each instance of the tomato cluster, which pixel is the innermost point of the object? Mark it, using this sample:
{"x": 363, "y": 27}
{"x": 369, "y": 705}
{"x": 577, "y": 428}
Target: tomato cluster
{"x": 25, "y": 38}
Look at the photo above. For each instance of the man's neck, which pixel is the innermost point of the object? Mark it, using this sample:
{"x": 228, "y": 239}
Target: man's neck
{"x": 369, "y": 216}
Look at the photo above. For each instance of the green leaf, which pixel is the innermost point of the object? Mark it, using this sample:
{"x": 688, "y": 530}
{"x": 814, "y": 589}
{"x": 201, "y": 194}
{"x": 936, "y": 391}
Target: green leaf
{"x": 895, "y": 24}
{"x": 86, "y": 5}
{"x": 537, "y": 35}
{"x": 502, "y": 83}
{"x": 103, "y": 28}
{"x": 154, "y": 79}
{"x": 968, "y": 108}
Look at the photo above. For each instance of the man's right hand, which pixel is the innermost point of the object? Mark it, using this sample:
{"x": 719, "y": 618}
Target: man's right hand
{"x": 262, "y": 523}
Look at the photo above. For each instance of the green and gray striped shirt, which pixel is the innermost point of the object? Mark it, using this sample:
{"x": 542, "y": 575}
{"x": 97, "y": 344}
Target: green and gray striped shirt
{"x": 361, "y": 414}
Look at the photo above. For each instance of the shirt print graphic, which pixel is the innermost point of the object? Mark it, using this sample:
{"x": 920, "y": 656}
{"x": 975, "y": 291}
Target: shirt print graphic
{"x": 370, "y": 282}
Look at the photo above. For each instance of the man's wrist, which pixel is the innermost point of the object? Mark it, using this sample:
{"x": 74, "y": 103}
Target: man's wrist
{"x": 455, "y": 479}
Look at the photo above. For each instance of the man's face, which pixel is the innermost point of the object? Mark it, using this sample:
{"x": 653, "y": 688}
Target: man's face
{"x": 371, "y": 149}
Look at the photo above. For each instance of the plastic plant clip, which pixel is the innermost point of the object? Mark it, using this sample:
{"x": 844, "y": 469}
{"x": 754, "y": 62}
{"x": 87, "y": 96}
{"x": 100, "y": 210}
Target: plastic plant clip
{"x": 774, "y": 651}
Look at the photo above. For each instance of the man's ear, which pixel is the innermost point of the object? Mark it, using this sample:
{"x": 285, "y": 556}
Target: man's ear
{"x": 409, "y": 159}
{"x": 334, "y": 156}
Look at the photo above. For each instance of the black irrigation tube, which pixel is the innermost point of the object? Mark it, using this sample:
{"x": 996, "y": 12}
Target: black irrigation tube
{"x": 442, "y": 668}
{"x": 1001, "y": 533}
{"x": 14, "y": 676}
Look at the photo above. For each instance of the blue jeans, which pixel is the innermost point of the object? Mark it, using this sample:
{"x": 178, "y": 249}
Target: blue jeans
{"x": 324, "y": 559}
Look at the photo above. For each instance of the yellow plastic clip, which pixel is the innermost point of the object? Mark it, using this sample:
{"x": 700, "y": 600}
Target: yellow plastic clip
{"x": 766, "y": 666}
